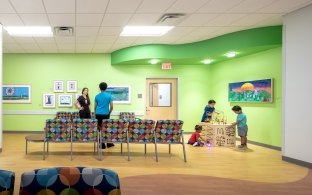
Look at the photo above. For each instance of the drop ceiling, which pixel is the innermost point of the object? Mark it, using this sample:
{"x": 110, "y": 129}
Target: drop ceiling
{"x": 98, "y": 23}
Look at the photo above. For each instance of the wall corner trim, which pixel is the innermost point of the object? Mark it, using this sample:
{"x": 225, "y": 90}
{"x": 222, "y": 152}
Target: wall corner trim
{"x": 297, "y": 162}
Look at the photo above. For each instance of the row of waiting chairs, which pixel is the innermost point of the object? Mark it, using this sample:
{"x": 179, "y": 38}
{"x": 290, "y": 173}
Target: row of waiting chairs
{"x": 73, "y": 115}
{"x": 115, "y": 131}
{"x": 62, "y": 180}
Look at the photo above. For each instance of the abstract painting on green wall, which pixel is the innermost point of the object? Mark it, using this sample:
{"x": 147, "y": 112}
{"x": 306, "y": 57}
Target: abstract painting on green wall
{"x": 251, "y": 91}
{"x": 16, "y": 94}
{"x": 121, "y": 94}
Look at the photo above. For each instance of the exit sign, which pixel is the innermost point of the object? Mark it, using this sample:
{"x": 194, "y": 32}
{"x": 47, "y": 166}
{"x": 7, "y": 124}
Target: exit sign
{"x": 166, "y": 66}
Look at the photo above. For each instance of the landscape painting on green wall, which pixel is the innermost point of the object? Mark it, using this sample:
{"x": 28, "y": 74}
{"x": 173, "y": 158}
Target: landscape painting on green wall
{"x": 16, "y": 94}
{"x": 251, "y": 91}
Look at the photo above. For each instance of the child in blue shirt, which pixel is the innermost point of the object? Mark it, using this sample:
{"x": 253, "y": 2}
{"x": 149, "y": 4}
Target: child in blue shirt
{"x": 242, "y": 128}
{"x": 209, "y": 109}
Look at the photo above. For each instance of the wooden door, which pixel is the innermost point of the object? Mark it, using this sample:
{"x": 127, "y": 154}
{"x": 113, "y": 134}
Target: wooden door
{"x": 161, "y": 98}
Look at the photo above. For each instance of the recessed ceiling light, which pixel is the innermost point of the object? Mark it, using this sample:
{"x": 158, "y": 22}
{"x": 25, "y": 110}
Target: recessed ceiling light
{"x": 207, "y": 61}
{"x": 145, "y": 30}
{"x": 230, "y": 54}
{"x": 29, "y": 31}
{"x": 154, "y": 61}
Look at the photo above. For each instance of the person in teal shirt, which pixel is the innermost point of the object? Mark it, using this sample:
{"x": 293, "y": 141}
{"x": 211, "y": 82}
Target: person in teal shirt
{"x": 103, "y": 107}
{"x": 242, "y": 128}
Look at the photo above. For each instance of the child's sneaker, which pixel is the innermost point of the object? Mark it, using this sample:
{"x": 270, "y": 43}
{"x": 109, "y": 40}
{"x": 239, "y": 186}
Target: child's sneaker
{"x": 240, "y": 146}
{"x": 195, "y": 144}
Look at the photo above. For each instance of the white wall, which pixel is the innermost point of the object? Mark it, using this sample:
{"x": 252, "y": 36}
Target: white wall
{"x": 1, "y": 88}
{"x": 297, "y": 81}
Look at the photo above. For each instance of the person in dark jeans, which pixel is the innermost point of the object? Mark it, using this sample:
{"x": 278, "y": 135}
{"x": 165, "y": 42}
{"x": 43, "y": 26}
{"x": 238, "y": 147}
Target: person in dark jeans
{"x": 103, "y": 107}
{"x": 83, "y": 104}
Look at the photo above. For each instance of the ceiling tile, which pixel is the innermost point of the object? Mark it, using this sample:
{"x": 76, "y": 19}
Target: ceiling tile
{"x": 224, "y": 19}
{"x": 49, "y": 50}
{"x": 13, "y": 46}
{"x": 116, "y": 19}
{"x": 45, "y": 40}
{"x": 86, "y": 46}
{"x": 250, "y": 6}
{"x": 144, "y": 40}
{"x": 102, "y": 46}
{"x": 28, "y": 46}
{"x": 25, "y": 40}
{"x": 89, "y": 19}
{"x": 91, "y": 6}
{"x": 106, "y": 39}
{"x": 72, "y": 50}
{"x": 251, "y": 19}
{"x": 119, "y": 46}
{"x": 218, "y": 6}
{"x": 86, "y": 31}
{"x": 189, "y": 39}
{"x": 204, "y": 31}
{"x": 10, "y": 20}
{"x": 6, "y": 8}
{"x": 275, "y": 20}
{"x": 66, "y": 46}
{"x": 125, "y": 40}
{"x": 108, "y": 30}
{"x": 90, "y": 39}
{"x": 186, "y": 6}
{"x": 65, "y": 40}
{"x": 284, "y": 6}
{"x": 62, "y": 19}
{"x": 45, "y": 46}
{"x": 152, "y": 6}
{"x": 227, "y": 30}
{"x": 197, "y": 19}
{"x": 179, "y": 31}
{"x": 144, "y": 19}
{"x": 35, "y": 19}
{"x": 60, "y": 6}
{"x": 122, "y": 6}
{"x": 28, "y": 6}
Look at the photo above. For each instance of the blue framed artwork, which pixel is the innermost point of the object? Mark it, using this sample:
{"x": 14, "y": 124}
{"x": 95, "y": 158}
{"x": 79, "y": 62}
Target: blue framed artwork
{"x": 251, "y": 91}
{"x": 121, "y": 93}
{"x": 16, "y": 94}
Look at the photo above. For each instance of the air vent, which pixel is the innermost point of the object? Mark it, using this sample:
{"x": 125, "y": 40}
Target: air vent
{"x": 63, "y": 31}
{"x": 170, "y": 19}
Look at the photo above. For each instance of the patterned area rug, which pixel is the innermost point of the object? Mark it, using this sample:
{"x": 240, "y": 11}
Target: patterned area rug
{"x": 192, "y": 184}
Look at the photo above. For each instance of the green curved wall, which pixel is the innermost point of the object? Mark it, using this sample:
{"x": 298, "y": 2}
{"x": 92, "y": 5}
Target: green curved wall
{"x": 244, "y": 42}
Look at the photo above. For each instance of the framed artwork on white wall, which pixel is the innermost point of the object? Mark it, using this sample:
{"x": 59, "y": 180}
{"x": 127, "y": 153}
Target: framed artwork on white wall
{"x": 65, "y": 101}
{"x": 58, "y": 86}
{"x": 72, "y": 86}
{"x": 48, "y": 100}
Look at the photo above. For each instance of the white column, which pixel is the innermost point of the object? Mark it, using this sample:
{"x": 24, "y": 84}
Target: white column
{"x": 1, "y": 128}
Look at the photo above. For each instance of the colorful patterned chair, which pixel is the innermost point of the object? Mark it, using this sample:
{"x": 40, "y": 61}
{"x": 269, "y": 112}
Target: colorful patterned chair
{"x": 63, "y": 115}
{"x": 142, "y": 132}
{"x": 7, "y": 179}
{"x": 57, "y": 131}
{"x": 127, "y": 115}
{"x": 75, "y": 115}
{"x": 170, "y": 132}
{"x": 84, "y": 131}
{"x": 70, "y": 180}
{"x": 114, "y": 131}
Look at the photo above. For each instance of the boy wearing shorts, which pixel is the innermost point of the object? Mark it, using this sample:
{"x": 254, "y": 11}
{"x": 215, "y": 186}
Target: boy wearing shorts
{"x": 242, "y": 128}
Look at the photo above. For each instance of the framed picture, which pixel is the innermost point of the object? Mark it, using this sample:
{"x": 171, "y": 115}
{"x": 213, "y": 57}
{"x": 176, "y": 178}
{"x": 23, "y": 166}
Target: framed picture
{"x": 65, "y": 101}
{"x": 16, "y": 94}
{"x": 251, "y": 91}
{"x": 58, "y": 86}
{"x": 121, "y": 93}
{"x": 48, "y": 100}
{"x": 71, "y": 86}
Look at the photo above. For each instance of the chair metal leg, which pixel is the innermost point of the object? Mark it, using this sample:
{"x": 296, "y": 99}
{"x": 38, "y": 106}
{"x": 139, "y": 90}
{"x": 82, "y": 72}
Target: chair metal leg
{"x": 94, "y": 147}
{"x": 71, "y": 150}
{"x": 155, "y": 143}
{"x": 128, "y": 146}
{"x": 145, "y": 148}
{"x": 44, "y": 150}
{"x": 184, "y": 153}
{"x": 169, "y": 148}
{"x": 26, "y": 146}
{"x": 121, "y": 148}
